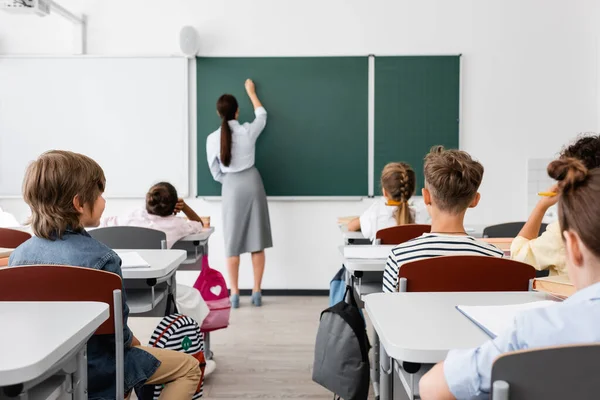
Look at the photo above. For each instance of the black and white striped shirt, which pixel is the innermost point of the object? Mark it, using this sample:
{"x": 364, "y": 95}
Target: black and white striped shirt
{"x": 433, "y": 245}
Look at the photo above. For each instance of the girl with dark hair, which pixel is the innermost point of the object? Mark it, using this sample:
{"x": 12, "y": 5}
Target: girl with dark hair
{"x": 230, "y": 155}
{"x": 160, "y": 213}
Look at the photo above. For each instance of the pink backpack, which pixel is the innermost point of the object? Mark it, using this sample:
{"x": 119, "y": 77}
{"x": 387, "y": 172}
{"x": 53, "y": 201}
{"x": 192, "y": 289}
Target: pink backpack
{"x": 213, "y": 289}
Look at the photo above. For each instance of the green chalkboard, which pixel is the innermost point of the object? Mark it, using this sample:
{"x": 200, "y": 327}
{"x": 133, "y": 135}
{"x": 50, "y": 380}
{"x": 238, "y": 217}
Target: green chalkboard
{"x": 315, "y": 142}
{"x": 416, "y": 107}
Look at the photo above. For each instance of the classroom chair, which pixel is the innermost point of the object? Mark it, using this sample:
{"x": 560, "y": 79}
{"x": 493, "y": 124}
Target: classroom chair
{"x": 137, "y": 238}
{"x": 551, "y": 373}
{"x": 130, "y": 237}
{"x": 465, "y": 274}
{"x": 66, "y": 283}
{"x": 12, "y": 238}
{"x": 507, "y": 230}
{"x": 511, "y": 230}
{"x": 400, "y": 234}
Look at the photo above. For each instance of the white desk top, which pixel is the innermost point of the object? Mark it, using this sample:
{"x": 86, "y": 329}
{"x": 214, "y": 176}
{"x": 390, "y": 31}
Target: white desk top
{"x": 42, "y": 334}
{"x": 362, "y": 264}
{"x": 423, "y": 327}
{"x": 204, "y": 235}
{"x": 162, "y": 263}
{"x": 4, "y": 252}
{"x": 474, "y": 230}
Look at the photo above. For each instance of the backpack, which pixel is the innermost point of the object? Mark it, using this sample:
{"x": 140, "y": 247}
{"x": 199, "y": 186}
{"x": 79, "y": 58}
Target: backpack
{"x": 179, "y": 333}
{"x": 337, "y": 287}
{"x": 341, "y": 362}
{"x": 213, "y": 289}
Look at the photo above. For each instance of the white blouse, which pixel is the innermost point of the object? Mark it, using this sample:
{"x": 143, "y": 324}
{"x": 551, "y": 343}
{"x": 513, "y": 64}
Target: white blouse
{"x": 242, "y": 148}
{"x": 378, "y": 216}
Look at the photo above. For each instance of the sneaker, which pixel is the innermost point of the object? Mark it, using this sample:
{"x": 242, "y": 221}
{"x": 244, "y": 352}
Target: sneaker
{"x": 256, "y": 299}
{"x": 211, "y": 365}
{"x": 235, "y": 301}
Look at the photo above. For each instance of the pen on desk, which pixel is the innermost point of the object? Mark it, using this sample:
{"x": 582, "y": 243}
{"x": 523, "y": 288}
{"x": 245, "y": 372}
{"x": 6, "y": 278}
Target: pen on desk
{"x": 547, "y": 194}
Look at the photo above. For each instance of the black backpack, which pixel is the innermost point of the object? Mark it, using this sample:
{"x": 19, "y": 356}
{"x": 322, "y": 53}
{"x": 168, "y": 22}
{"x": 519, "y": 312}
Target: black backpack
{"x": 341, "y": 362}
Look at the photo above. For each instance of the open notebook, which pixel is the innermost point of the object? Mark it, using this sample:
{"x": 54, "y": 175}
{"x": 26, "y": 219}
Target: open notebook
{"x": 493, "y": 320}
{"x": 132, "y": 259}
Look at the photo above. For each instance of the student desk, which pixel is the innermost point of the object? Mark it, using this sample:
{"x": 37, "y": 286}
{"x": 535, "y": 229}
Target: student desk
{"x": 144, "y": 297}
{"x": 46, "y": 338}
{"x": 4, "y": 254}
{"x": 358, "y": 238}
{"x": 351, "y": 238}
{"x": 357, "y": 267}
{"x": 195, "y": 245}
{"x": 418, "y": 329}
{"x": 557, "y": 285}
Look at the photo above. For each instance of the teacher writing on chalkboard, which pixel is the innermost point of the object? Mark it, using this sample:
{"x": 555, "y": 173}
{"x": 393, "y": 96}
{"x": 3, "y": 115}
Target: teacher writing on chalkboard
{"x": 246, "y": 225}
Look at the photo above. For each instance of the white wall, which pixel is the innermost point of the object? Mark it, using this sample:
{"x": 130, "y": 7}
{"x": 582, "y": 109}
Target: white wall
{"x": 529, "y": 84}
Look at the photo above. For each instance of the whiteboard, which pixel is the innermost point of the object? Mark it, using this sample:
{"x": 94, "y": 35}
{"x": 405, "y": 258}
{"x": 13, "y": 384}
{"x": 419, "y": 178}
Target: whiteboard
{"x": 129, "y": 114}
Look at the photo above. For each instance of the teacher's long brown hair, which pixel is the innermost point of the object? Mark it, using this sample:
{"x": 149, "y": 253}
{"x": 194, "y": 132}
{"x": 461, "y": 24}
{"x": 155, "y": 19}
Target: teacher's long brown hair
{"x": 227, "y": 107}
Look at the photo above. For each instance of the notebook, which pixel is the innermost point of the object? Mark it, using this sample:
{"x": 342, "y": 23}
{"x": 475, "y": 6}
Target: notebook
{"x": 132, "y": 259}
{"x": 493, "y": 320}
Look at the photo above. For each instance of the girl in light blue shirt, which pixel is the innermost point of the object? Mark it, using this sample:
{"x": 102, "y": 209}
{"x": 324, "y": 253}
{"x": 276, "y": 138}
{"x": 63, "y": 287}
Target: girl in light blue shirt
{"x": 466, "y": 374}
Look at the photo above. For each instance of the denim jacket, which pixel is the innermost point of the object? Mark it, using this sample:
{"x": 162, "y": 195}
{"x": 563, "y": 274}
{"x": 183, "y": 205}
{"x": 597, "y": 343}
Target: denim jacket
{"x": 81, "y": 250}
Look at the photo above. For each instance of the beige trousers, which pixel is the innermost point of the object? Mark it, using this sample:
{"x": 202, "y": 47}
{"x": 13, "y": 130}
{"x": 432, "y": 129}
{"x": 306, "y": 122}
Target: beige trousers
{"x": 179, "y": 372}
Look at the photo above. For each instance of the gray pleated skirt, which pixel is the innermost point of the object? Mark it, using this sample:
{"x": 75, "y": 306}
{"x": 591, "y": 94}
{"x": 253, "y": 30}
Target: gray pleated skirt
{"x": 246, "y": 224}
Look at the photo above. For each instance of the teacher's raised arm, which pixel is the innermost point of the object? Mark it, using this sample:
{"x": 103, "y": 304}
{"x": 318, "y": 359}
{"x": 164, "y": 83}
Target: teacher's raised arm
{"x": 230, "y": 154}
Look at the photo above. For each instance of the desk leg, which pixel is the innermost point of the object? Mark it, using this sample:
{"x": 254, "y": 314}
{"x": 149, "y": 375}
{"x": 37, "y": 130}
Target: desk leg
{"x": 376, "y": 367}
{"x": 80, "y": 379}
{"x": 208, "y": 354}
{"x": 386, "y": 386}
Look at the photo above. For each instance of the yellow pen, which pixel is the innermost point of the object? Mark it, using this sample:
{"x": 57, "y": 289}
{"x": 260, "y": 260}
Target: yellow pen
{"x": 547, "y": 194}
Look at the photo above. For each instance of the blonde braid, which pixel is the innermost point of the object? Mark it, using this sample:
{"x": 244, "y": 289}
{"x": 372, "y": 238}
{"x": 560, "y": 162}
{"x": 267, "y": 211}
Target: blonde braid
{"x": 398, "y": 179}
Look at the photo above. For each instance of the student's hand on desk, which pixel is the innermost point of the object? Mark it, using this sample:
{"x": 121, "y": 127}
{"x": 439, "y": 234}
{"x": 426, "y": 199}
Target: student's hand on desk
{"x": 250, "y": 87}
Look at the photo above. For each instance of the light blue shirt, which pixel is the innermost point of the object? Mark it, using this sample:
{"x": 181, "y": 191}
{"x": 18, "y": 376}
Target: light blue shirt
{"x": 576, "y": 320}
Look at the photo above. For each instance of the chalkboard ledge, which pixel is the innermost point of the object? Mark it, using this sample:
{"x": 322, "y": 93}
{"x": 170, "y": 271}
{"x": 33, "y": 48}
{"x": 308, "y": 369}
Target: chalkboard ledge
{"x": 296, "y": 198}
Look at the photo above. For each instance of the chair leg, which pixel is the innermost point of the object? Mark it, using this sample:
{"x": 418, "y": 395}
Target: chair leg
{"x": 80, "y": 378}
{"x": 119, "y": 345}
{"x": 500, "y": 390}
{"x": 208, "y": 354}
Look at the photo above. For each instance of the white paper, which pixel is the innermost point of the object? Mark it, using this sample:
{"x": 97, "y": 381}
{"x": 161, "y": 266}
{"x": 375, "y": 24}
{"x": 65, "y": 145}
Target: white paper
{"x": 132, "y": 259}
{"x": 368, "y": 252}
{"x": 496, "y": 319}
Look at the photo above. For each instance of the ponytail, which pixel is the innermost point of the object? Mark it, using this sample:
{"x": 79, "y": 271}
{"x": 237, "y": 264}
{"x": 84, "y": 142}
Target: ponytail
{"x": 403, "y": 214}
{"x": 227, "y": 107}
{"x": 225, "y": 143}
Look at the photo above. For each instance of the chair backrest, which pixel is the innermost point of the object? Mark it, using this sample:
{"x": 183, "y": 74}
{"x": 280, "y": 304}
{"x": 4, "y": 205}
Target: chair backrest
{"x": 402, "y": 233}
{"x": 130, "y": 237}
{"x": 465, "y": 274}
{"x": 12, "y": 238}
{"x": 60, "y": 283}
{"x": 507, "y": 230}
{"x": 552, "y": 373}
